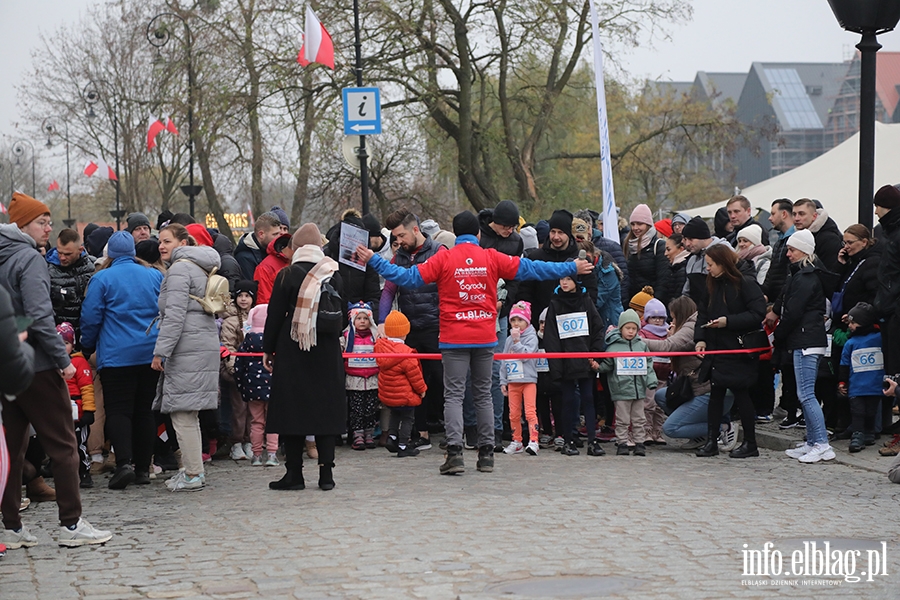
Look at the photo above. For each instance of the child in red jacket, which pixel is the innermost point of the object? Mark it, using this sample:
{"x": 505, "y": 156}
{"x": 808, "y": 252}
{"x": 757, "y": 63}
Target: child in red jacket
{"x": 81, "y": 392}
{"x": 401, "y": 386}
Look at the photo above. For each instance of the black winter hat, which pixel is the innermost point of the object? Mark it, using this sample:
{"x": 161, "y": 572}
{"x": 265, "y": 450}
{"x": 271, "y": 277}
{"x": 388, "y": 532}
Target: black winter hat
{"x": 863, "y": 314}
{"x": 372, "y": 225}
{"x": 164, "y": 218}
{"x": 506, "y": 213}
{"x": 248, "y": 286}
{"x": 696, "y": 229}
{"x": 887, "y": 196}
{"x": 147, "y": 250}
{"x": 96, "y": 242}
{"x": 561, "y": 219}
{"x": 135, "y": 220}
{"x": 465, "y": 223}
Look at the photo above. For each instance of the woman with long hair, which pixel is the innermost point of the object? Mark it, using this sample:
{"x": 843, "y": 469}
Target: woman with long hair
{"x": 801, "y": 331}
{"x": 736, "y": 307}
{"x": 645, "y": 251}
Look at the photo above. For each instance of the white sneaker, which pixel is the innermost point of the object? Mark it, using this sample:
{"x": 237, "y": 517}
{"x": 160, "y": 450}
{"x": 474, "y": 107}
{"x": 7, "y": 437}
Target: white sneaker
{"x": 818, "y": 452}
{"x": 272, "y": 461}
{"x": 17, "y": 539}
{"x": 697, "y": 442}
{"x": 188, "y": 484}
{"x": 256, "y": 461}
{"x": 83, "y": 534}
{"x": 532, "y": 448}
{"x": 237, "y": 452}
{"x": 514, "y": 448}
{"x": 728, "y": 437}
{"x": 174, "y": 478}
{"x": 801, "y": 449}
{"x": 248, "y": 450}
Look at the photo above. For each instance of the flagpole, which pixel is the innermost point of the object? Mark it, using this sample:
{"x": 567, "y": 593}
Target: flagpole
{"x": 361, "y": 153}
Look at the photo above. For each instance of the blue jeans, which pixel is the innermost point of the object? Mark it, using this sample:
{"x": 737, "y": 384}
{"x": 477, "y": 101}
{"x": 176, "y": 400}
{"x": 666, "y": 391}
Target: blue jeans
{"x": 496, "y": 394}
{"x": 806, "y": 368}
{"x": 689, "y": 420}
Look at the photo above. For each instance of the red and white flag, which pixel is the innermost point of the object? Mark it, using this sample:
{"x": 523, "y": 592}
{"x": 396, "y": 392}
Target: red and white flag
{"x": 317, "y": 45}
{"x": 3, "y": 210}
{"x": 250, "y": 216}
{"x": 53, "y": 186}
{"x": 156, "y": 126}
{"x": 170, "y": 126}
{"x": 100, "y": 168}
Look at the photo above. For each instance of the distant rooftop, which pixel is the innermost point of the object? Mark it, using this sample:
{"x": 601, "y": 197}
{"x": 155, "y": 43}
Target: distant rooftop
{"x": 802, "y": 93}
{"x": 720, "y": 87}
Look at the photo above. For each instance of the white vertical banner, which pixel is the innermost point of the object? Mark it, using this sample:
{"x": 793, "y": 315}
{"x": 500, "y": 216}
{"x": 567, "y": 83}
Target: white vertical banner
{"x": 610, "y": 215}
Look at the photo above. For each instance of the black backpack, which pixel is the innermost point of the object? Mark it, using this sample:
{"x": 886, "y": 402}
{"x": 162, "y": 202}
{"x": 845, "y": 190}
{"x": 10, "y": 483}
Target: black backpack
{"x": 330, "y": 316}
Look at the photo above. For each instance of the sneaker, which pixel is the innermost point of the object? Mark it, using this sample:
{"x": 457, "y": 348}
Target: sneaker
{"x": 763, "y": 419}
{"x": 122, "y": 478}
{"x": 532, "y": 448}
{"x": 570, "y": 449}
{"x": 605, "y": 434}
{"x": 799, "y": 451}
{"x": 817, "y": 453}
{"x": 248, "y": 450}
{"x": 237, "y": 452}
{"x": 172, "y": 482}
{"x": 142, "y": 477}
{"x": 485, "y": 462}
{"x": 272, "y": 461}
{"x": 453, "y": 461}
{"x": 84, "y": 533}
{"x": 370, "y": 439}
{"x": 801, "y": 423}
{"x": 422, "y": 444}
{"x": 206, "y": 458}
{"x": 728, "y": 438}
{"x": 359, "y": 441}
{"x": 87, "y": 482}
{"x": 790, "y": 421}
{"x": 514, "y": 448}
{"x": 392, "y": 445}
{"x": 697, "y": 442}
{"x": 891, "y": 447}
{"x": 256, "y": 461}
{"x": 622, "y": 450}
{"x": 595, "y": 449}
{"x": 188, "y": 484}
{"x": 558, "y": 443}
{"x": 26, "y": 502}
{"x": 857, "y": 441}
{"x": 410, "y": 450}
{"x": 639, "y": 450}
{"x": 545, "y": 441}
{"x": 17, "y": 539}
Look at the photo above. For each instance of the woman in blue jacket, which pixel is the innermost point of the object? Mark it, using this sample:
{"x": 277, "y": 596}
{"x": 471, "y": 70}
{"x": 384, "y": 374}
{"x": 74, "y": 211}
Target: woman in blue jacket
{"x": 118, "y": 309}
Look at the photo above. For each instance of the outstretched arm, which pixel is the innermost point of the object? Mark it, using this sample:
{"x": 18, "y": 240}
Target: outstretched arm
{"x": 542, "y": 270}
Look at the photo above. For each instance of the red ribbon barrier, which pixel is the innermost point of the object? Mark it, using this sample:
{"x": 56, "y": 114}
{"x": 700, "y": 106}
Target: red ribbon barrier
{"x": 500, "y": 356}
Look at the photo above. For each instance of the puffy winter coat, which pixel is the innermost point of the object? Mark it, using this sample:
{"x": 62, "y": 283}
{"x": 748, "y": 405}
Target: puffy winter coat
{"x": 887, "y": 300}
{"x": 615, "y": 250}
{"x": 829, "y": 240}
{"x": 16, "y": 358}
{"x": 232, "y": 334}
{"x": 230, "y": 268}
{"x": 523, "y": 370}
{"x": 744, "y": 307}
{"x": 778, "y": 267}
{"x": 859, "y": 278}
{"x": 400, "y": 381}
{"x": 81, "y": 386}
{"x": 359, "y": 286}
{"x": 648, "y": 267}
{"x": 248, "y": 254}
{"x": 582, "y": 331}
{"x": 626, "y": 386}
{"x": 512, "y": 245}
{"x": 801, "y": 310}
{"x": 267, "y": 270}
{"x": 253, "y": 381}
{"x": 609, "y": 290}
{"x": 675, "y": 283}
{"x": 68, "y": 286}
{"x": 188, "y": 337}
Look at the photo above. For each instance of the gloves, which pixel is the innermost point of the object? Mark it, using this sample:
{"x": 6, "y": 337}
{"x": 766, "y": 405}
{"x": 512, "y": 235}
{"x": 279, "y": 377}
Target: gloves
{"x": 839, "y": 338}
{"x": 515, "y": 334}
{"x": 87, "y": 417}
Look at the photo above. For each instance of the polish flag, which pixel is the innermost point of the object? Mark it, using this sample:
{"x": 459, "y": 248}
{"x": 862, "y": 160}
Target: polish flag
{"x": 156, "y": 126}
{"x": 53, "y": 186}
{"x": 100, "y": 167}
{"x": 250, "y": 215}
{"x": 317, "y": 45}
{"x": 170, "y": 126}
{"x": 3, "y": 210}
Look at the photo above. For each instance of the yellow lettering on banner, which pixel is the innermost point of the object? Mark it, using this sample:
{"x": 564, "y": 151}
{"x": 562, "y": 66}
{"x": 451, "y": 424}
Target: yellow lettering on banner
{"x": 234, "y": 220}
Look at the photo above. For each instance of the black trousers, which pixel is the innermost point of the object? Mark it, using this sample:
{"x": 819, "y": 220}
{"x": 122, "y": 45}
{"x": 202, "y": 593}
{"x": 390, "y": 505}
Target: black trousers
{"x": 763, "y": 391}
{"x": 432, "y": 407}
{"x": 128, "y": 394}
{"x": 295, "y": 444}
{"x": 744, "y": 404}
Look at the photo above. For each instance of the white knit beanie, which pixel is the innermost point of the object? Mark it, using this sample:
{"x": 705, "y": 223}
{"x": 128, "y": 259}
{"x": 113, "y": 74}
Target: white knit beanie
{"x": 752, "y": 234}
{"x": 803, "y": 241}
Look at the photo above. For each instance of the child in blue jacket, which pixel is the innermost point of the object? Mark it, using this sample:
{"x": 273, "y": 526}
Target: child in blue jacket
{"x": 862, "y": 365}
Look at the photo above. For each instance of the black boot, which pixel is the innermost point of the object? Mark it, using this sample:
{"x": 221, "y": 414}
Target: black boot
{"x": 122, "y": 478}
{"x": 293, "y": 462}
{"x": 326, "y": 477}
{"x": 711, "y": 448}
{"x": 745, "y": 450}
{"x": 485, "y": 462}
{"x": 292, "y": 480}
{"x": 498, "y": 441}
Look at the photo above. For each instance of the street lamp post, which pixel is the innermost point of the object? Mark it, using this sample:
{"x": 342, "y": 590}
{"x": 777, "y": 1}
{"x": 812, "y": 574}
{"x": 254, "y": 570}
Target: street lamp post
{"x": 869, "y": 18}
{"x": 92, "y": 96}
{"x": 50, "y": 127}
{"x": 18, "y": 150}
{"x": 158, "y": 35}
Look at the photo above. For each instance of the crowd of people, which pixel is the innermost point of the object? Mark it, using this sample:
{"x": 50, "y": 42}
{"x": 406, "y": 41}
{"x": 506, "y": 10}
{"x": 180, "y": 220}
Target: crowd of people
{"x": 157, "y": 349}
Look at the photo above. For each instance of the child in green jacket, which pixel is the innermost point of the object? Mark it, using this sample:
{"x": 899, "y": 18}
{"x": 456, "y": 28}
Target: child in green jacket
{"x": 629, "y": 379}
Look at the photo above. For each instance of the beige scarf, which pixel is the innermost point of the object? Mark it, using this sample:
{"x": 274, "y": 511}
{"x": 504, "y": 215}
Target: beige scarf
{"x": 303, "y": 323}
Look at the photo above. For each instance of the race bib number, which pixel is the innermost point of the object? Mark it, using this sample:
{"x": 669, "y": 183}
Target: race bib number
{"x": 572, "y": 325}
{"x": 355, "y": 362}
{"x": 631, "y": 365}
{"x": 515, "y": 370}
{"x": 542, "y": 364}
{"x": 867, "y": 359}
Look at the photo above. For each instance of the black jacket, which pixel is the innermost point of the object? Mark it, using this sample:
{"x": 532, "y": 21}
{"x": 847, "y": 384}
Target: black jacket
{"x": 68, "y": 286}
{"x": 539, "y": 293}
{"x": 512, "y": 246}
{"x": 674, "y": 283}
{"x": 16, "y": 358}
{"x": 358, "y": 286}
{"x": 420, "y": 305}
{"x": 744, "y": 308}
{"x": 561, "y": 304}
{"x": 829, "y": 241}
{"x": 801, "y": 309}
{"x": 615, "y": 250}
{"x": 648, "y": 267}
{"x": 229, "y": 269}
{"x": 887, "y": 300}
{"x": 778, "y": 269}
{"x": 248, "y": 254}
{"x": 859, "y": 278}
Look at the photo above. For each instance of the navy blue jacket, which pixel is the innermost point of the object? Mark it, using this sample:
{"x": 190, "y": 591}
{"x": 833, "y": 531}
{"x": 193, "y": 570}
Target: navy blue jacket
{"x": 252, "y": 380}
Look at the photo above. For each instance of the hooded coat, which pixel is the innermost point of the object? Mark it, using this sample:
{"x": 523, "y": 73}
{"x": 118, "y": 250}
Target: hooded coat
{"x": 572, "y": 305}
{"x": 358, "y": 286}
{"x": 829, "y": 240}
{"x": 23, "y": 272}
{"x": 188, "y": 337}
{"x": 627, "y": 387}
{"x": 230, "y": 268}
{"x": 248, "y": 254}
{"x": 601, "y": 242}
{"x": 400, "y": 381}
{"x": 267, "y": 270}
{"x": 648, "y": 267}
{"x": 68, "y": 286}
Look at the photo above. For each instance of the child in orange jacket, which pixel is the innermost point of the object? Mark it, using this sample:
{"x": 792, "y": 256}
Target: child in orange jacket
{"x": 81, "y": 393}
{"x": 401, "y": 386}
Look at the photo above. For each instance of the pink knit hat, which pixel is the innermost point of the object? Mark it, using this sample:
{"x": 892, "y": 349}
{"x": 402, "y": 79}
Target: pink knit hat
{"x": 257, "y": 318}
{"x": 522, "y": 310}
{"x": 641, "y": 214}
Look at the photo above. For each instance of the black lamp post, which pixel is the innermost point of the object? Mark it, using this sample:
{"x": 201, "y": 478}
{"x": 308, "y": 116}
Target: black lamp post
{"x": 361, "y": 153}
{"x": 158, "y": 35}
{"x": 50, "y": 127}
{"x": 92, "y": 96}
{"x": 869, "y": 18}
{"x": 18, "y": 150}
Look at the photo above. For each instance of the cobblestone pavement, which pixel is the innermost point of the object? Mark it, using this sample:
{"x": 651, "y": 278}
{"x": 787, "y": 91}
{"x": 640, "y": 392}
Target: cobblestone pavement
{"x": 668, "y": 525}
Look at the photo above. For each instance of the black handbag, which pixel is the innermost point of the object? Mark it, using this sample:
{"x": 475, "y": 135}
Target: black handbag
{"x": 754, "y": 340}
{"x": 679, "y": 392}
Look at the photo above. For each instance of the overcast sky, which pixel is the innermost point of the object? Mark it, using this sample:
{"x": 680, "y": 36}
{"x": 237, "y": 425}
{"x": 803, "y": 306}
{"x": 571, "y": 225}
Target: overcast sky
{"x": 725, "y": 35}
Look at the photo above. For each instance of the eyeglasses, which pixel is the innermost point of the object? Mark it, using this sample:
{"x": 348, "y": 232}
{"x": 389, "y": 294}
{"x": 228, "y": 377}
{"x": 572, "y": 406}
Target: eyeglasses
{"x": 44, "y": 223}
{"x": 847, "y": 243}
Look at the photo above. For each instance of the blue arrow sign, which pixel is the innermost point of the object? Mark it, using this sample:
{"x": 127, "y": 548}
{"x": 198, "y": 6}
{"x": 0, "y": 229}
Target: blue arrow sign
{"x": 362, "y": 111}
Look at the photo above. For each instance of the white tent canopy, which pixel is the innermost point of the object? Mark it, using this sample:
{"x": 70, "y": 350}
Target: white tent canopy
{"x": 832, "y": 178}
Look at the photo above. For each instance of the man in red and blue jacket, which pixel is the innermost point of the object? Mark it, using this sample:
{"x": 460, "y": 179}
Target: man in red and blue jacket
{"x": 467, "y": 277}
